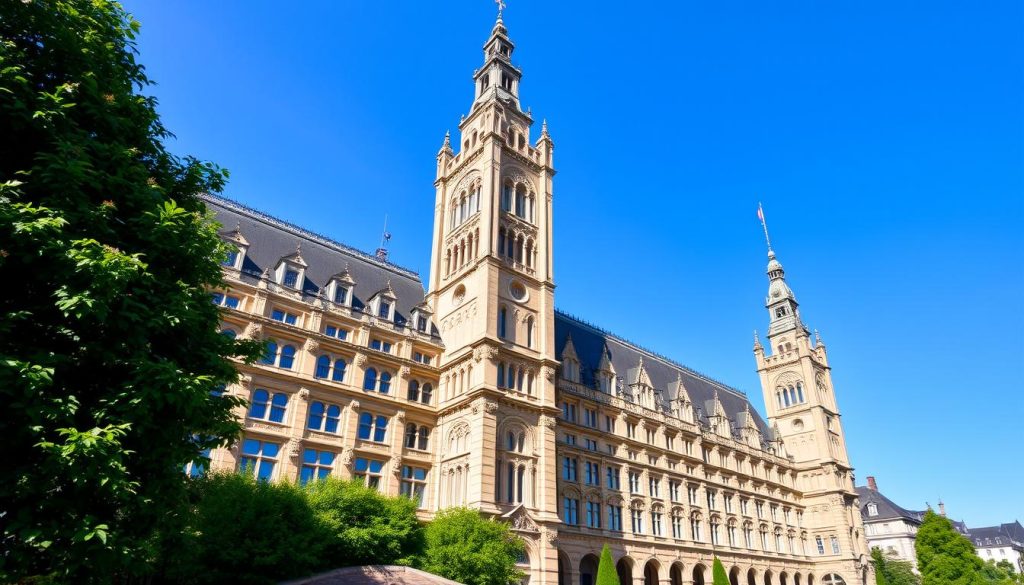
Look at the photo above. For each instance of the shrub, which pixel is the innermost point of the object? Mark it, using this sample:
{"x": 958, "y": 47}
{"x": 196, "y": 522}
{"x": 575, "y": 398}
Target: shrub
{"x": 464, "y": 547}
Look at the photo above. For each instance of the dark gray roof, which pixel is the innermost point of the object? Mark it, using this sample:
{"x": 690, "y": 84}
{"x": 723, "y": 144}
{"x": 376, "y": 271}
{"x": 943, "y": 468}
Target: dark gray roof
{"x": 590, "y": 341}
{"x": 271, "y": 239}
{"x": 887, "y": 509}
{"x": 1011, "y": 534}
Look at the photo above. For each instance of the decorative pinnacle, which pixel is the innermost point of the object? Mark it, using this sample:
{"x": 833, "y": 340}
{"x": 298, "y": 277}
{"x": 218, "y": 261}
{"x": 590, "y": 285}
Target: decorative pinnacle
{"x": 757, "y": 341}
{"x": 817, "y": 338}
{"x": 544, "y": 127}
{"x": 501, "y": 7}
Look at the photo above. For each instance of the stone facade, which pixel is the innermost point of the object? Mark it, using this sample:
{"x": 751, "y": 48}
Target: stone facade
{"x": 479, "y": 393}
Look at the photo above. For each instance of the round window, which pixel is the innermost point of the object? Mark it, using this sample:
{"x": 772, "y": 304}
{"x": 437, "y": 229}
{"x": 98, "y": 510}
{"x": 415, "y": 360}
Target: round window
{"x": 517, "y": 290}
{"x": 798, "y": 425}
{"x": 459, "y": 295}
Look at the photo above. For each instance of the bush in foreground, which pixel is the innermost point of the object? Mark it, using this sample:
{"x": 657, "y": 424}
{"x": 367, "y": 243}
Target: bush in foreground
{"x": 465, "y": 547}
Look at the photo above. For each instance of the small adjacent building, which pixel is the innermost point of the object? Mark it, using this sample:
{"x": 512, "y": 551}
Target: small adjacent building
{"x": 1000, "y": 543}
{"x": 887, "y": 525}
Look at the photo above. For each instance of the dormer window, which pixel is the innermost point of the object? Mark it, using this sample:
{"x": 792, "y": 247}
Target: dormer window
{"x": 384, "y": 311}
{"x": 571, "y": 370}
{"x": 339, "y": 289}
{"x": 231, "y": 259}
{"x": 340, "y": 295}
{"x": 291, "y": 278}
{"x": 421, "y": 324}
{"x": 872, "y": 510}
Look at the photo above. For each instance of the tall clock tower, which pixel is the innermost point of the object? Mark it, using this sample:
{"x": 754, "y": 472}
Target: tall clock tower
{"x": 492, "y": 292}
{"x": 800, "y": 400}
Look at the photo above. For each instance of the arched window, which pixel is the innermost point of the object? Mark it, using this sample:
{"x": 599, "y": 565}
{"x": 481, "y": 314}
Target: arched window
{"x": 529, "y": 331}
{"x": 338, "y": 374}
{"x": 385, "y": 383}
{"x": 501, "y": 374}
{"x": 229, "y": 333}
{"x": 423, "y": 438}
{"x": 800, "y": 392}
{"x": 521, "y": 201}
{"x": 426, "y": 393}
{"x": 506, "y": 197}
{"x": 410, "y": 436}
{"x": 268, "y": 407}
{"x": 370, "y": 380}
{"x": 365, "y": 426}
{"x": 269, "y": 353}
{"x": 287, "y": 358}
{"x": 323, "y": 367}
{"x": 502, "y": 322}
{"x": 324, "y": 418}
{"x": 414, "y": 391}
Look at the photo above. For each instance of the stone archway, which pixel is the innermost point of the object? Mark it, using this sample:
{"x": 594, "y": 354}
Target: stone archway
{"x": 564, "y": 569}
{"x": 651, "y": 573}
{"x": 588, "y": 570}
{"x": 624, "y": 568}
{"x": 783, "y": 578}
{"x": 698, "y": 574}
{"x": 675, "y": 574}
{"x": 768, "y": 577}
{"x": 751, "y": 576}
{"x": 734, "y": 576}
{"x": 797, "y": 579}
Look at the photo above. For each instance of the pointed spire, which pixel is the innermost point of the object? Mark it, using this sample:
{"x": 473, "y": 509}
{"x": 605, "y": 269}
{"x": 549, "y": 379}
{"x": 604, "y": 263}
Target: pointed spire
{"x": 817, "y": 339}
{"x": 446, "y": 146}
{"x": 757, "y": 342}
{"x": 544, "y": 127}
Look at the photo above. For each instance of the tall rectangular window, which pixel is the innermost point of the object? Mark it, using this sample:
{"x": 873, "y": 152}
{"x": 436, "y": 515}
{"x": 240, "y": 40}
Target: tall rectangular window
{"x": 291, "y": 278}
{"x": 569, "y": 468}
{"x": 258, "y": 458}
{"x": 315, "y": 465}
{"x": 414, "y": 483}
{"x": 571, "y": 511}
{"x": 637, "y": 517}
{"x": 835, "y": 545}
{"x": 592, "y": 473}
{"x": 368, "y": 471}
{"x": 594, "y": 514}
{"x": 615, "y": 518}
{"x": 612, "y": 476}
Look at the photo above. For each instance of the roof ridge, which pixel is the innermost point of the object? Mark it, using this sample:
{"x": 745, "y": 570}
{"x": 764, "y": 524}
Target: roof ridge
{"x": 652, "y": 354}
{"x": 308, "y": 234}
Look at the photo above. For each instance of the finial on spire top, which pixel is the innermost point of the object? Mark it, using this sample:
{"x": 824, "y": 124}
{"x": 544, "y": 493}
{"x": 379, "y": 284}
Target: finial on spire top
{"x": 817, "y": 338}
{"x": 764, "y": 225}
{"x": 544, "y": 126}
{"x": 501, "y": 7}
{"x": 757, "y": 340}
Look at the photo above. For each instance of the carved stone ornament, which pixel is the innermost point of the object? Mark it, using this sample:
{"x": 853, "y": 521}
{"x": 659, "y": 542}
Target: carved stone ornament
{"x": 245, "y": 381}
{"x": 304, "y": 393}
{"x": 404, "y": 371}
{"x": 551, "y": 536}
{"x": 311, "y": 345}
{"x": 548, "y": 421}
{"x": 354, "y": 405}
{"x": 294, "y": 447}
{"x": 360, "y": 360}
{"x": 490, "y": 407}
{"x": 485, "y": 352}
{"x": 400, "y": 417}
{"x": 396, "y": 465}
{"x": 548, "y": 373}
{"x": 346, "y": 456}
{"x": 253, "y": 330}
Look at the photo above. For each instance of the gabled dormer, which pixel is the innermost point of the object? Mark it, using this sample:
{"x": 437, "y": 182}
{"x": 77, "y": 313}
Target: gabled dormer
{"x": 340, "y": 288}
{"x": 605, "y": 373}
{"x": 382, "y": 304}
{"x": 235, "y": 257}
{"x": 749, "y": 432}
{"x": 420, "y": 317}
{"x": 775, "y": 444}
{"x": 682, "y": 405}
{"x": 640, "y": 386}
{"x": 717, "y": 418}
{"x": 570, "y": 361}
{"x": 291, "y": 269}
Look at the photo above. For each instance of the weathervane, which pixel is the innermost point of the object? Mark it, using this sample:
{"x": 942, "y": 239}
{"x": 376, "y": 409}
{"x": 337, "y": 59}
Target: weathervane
{"x": 760, "y": 215}
{"x": 501, "y": 6}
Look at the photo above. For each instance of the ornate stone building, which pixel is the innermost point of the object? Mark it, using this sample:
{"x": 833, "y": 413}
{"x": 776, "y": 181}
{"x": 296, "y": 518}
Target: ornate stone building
{"x": 478, "y": 392}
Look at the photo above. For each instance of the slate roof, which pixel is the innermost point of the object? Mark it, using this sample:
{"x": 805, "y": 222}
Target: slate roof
{"x": 887, "y": 509}
{"x": 270, "y": 239}
{"x": 1011, "y": 534}
{"x": 590, "y": 341}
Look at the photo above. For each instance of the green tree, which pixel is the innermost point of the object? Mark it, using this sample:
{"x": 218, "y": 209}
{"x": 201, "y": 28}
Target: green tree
{"x": 944, "y": 556}
{"x": 890, "y": 570}
{"x": 718, "y": 576}
{"x": 246, "y": 531}
{"x": 109, "y": 351}
{"x": 464, "y": 547}
{"x": 606, "y": 573}
{"x": 367, "y": 527}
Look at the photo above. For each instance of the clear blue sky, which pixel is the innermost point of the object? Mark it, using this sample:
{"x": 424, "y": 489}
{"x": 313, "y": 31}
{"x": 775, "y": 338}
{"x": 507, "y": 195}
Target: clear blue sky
{"x": 886, "y": 140}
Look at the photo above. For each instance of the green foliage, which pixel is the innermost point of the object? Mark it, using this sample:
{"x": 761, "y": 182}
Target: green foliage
{"x": 890, "y": 570}
{"x": 606, "y": 574}
{"x": 464, "y": 547}
{"x": 718, "y": 576}
{"x": 367, "y": 527}
{"x": 247, "y": 531}
{"x": 109, "y": 348}
{"x": 944, "y": 556}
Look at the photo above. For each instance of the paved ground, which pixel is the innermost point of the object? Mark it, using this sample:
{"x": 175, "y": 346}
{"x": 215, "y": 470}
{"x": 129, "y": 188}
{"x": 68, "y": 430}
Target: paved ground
{"x": 374, "y": 575}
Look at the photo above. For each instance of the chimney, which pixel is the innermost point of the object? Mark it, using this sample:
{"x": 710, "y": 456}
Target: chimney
{"x": 871, "y": 483}
{"x": 942, "y": 509}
